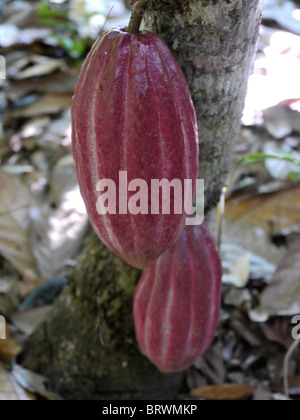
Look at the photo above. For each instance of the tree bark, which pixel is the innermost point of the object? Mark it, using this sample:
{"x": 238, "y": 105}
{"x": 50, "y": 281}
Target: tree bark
{"x": 215, "y": 44}
{"x": 87, "y": 347}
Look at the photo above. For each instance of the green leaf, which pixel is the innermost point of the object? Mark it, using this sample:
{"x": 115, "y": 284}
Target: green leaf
{"x": 260, "y": 157}
{"x": 57, "y": 23}
{"x": 47, "y": 16}
{"x": 293, "y": 176}
{"x": 74, "y": 47}
{"x": 45, "y": 10}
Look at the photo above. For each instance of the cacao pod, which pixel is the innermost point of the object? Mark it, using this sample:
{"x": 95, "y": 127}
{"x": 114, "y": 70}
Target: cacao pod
{"x": 132, "y": 111}
{"x": 177, "y": 301}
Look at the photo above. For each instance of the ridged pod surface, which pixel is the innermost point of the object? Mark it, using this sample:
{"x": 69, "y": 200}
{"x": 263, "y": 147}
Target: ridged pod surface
{"x": 132, "y": 111}
{"x": 177, "y": 301}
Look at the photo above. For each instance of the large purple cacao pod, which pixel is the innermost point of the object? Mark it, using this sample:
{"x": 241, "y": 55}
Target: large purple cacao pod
{"x": 177, "y": 301}
{"x": 132, "y": 111}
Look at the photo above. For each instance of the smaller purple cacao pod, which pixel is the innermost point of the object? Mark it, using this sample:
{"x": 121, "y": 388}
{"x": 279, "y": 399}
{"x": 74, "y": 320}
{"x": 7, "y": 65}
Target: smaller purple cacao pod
{"x": 177, "y": 301}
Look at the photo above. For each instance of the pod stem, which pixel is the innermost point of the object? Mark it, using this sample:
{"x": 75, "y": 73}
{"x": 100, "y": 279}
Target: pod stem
{"x": 137, "y": 15}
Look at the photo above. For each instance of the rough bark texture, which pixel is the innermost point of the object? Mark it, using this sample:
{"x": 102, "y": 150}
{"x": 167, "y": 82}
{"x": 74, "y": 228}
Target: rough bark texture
{"x": 215, "y": 50}
{"x": 214, "y": 42}
{"x": 87, "y": 347}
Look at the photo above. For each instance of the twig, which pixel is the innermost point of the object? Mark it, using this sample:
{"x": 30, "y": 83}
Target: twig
{"x": 106, "y": 19}
{"x": 137, "y": 15}
{"x": 286, "y": 367}
{"x": 221, "y": 212}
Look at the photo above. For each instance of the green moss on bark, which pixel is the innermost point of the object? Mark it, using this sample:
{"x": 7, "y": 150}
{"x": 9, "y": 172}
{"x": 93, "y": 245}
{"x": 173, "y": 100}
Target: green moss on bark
{"x": 86, "y": 347}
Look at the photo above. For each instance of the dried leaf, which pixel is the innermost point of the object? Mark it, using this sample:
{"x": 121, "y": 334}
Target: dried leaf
{"x": 280, "y": 168}
{"x": 239, "y": 230}
{"x": 59, "y": 82}
{"x": 33, "y": 66}
{"x": 47, "y": 104}
{"x": 9, "y": 35}
{"x": 30, "y": 35}
{"x": 279, "y": 331}
{"x": 9, "y": 295}
{"x": 212, "y": 364}
{"x": 283, "y": 13}
{"x": 236, "y": 265}
{"x": 244, "y": 332}
{"x": 15, "y": 201}
{"x": 35, "y": 127}
{"x": 228, "y": 392}
{"x": 56, "y": 234}
{"x": 276, "y": 122}
{"x": 33, "y": 382}
{"x": 8, "y": 348}
{"x": 27, "y": 321}
{"x": 258, "y": 314}
{"x": 9, "y": 389}
{"x": 273, "y": 213}
{"x": 237, "y": 297}
{"x": 282, "y": 296}
{"x": 240, "y": 265}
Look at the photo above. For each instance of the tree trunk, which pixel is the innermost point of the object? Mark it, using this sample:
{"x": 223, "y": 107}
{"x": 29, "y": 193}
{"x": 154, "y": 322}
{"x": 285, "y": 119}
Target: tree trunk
{"x": 215, "y": 44}
{"x": 86, "y": 347}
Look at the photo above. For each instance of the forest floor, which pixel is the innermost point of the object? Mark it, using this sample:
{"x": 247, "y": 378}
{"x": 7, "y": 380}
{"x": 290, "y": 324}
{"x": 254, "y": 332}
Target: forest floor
{"x": 43, "y": 222}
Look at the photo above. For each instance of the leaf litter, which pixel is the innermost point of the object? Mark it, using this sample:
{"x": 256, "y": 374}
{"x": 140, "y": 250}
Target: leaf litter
{"x": 43, "y": 220}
